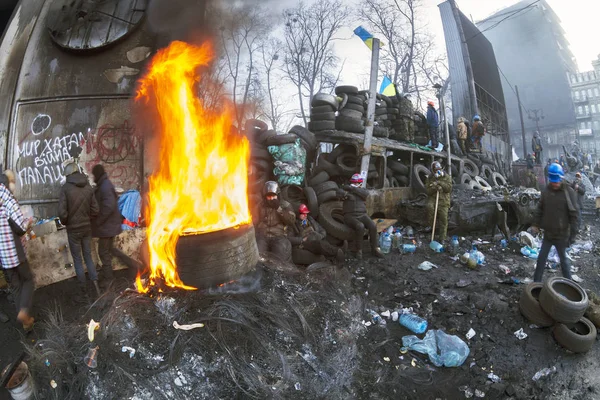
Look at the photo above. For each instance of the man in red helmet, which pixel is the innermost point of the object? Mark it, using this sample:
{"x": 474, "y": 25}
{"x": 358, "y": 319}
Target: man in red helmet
{"x": 355, "y": 215}
{"x": 433, "y": 122}
{"x": 307, "y": 234}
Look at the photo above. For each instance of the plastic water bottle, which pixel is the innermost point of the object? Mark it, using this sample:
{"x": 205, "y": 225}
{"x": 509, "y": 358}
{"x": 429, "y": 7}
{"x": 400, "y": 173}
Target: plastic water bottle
{"x": 408, "y": 248}
{"x": 376, "y": 318}
{"x": 436, "y": 246}
{"x": 454, "y": 242}
{"x": 413, "y": 322}
{"x": 386, "y": 243}
{"x": 504, "y": 243}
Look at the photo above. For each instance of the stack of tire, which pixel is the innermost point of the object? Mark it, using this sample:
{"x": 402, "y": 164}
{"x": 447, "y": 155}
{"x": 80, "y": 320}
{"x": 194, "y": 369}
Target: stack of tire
{"x": 352, "y": 109}
{"x": 480, "y": 172}
{"x": 397, "y": 173}
{"x": 382, "y": 121}
{"x": 561, "y": 303}
{"x": 393, "y": 112}
{"x": 322, "y": 112}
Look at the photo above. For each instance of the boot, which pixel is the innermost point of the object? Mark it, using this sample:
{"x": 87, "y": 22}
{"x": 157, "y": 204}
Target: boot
{"x": 98, "y": 292}
{"x": 377, "y": 252}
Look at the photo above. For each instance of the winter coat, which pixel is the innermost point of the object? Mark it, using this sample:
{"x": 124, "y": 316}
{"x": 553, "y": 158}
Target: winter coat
{"x": 461, "y": 129}
{"x": 580, "y": 192}
{"x": 536, "y": 144}
{"x": 273, "y": 223}
{"x": 445, "y": 184}
{"x": 108, "y": 222}
{"x": 432, "y": 117}
{"x": 354, "y": 200}
{"x": 313, "y": 230}
{"x": 478, "y": 129}
{"x": 557, "y": 213}
{"x": 77, "y": 204}
{"x": 12, "y": 225}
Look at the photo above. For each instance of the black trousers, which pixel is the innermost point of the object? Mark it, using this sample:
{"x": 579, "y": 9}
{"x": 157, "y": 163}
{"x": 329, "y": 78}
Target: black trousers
{"x": 278, "y": 245}
{"x": 21, "y": 282}
{"x": 320, "y": 247}
{"x": 561, "y": 249}
{"x": 433, "y": 135}
{"x": 358, "y": 225}
{"x": 105, "y": 253}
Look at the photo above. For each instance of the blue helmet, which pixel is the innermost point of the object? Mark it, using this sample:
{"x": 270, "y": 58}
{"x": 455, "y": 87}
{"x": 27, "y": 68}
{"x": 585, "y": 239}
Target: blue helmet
{"x": 476, "y": 118}
{"x": 555, "y": 173}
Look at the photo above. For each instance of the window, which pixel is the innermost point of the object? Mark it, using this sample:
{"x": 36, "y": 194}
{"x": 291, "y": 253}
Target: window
{"x": 596, "y": 125}
{"x": 573, "y": 79}
{"x": 586, "y": 77}
{"x": 593, "y": 109}
{"x": 582, "y": 125}
{"x": 579, "y": 110}
{"x": 589, "y": 124}
{"x": 579, "y": 78}
{"x": 596, "y": 93}
{"x": 589, "y": 92}
{"x": 587, "y": 109}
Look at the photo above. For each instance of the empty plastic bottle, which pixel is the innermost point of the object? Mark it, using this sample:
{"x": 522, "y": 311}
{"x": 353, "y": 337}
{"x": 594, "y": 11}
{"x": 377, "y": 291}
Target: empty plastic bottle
{"x": 413, "y": 322}
{"x": 396, "y": 240}
{"x": 376, "y": 318}
{"x": 386, "y": 243}
{"x": 454, "y": 242}
{"x": 436, "y": 246}
{"x": 408, "y": 248}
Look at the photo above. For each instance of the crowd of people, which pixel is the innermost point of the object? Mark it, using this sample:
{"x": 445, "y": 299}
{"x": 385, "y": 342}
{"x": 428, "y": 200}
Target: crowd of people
{"x": 84, "y": 210}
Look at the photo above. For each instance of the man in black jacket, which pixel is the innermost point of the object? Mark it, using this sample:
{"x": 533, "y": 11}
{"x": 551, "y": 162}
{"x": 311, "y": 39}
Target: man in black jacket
{"x": 557, "y": 215}
{"x": 355, "y": 215}
{"x": 308, "y": 234}
{"x": 76, "y": 207}
{"x": 107, "y": 224}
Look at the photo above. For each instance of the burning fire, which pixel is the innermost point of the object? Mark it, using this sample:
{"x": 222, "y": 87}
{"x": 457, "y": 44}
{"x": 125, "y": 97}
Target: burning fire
{"x": 201, "y": 181}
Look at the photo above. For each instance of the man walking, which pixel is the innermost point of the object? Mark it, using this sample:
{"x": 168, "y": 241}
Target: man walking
{"x": 433, "y": 122}
{"x": 107, "y": 224}
{"x": 438, "y": 184}
{"x": 536, "y": 147}
{"x": 76, "y": 207}
{"x": 12, "y": 255}
{"x": 557, "y": 215}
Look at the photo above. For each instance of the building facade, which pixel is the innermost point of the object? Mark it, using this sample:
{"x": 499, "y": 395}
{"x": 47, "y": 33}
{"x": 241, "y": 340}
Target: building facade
{"x": 533, "y": 54}
{"x": 586, "y": 100}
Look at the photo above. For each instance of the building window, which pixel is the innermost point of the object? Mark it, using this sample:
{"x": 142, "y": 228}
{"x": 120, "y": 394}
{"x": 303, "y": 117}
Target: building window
{"x": 579, "y": 78}
{"x": 587, "y": 109}
{"x": 596, "y": 92}
{"x": 596, "y": 125}
{"x": 586, "y": 77}
{"x": 593, "y": 109}
{"x": 589, "y": 125}
{"x": 573, "y": 79}
{"x": 579, "y": 110}
{"x": 582, "y": 125}
{"x": 589, "y": 92}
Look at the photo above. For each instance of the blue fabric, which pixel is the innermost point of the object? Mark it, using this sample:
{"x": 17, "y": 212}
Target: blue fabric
{"x": 432, "y": 117}
{"x": 130, "y": 206}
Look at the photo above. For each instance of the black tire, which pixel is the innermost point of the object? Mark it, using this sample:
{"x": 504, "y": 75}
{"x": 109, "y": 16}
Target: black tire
{"x": 305, "y": 257}
{"x": 394, "y": 182}
{"x": 339, "y": 150}
{"x": 326, "y": 197}
{"x": 474, "y": 185}
{"x": 398, "y": 167}
{"x": 465, "y": 179}
{"x": 278, "y": 140}
{"x": 263, "y": 165}
{"x": 497, "y": 179}
{"x": 318, "y": 178}
{"x": 324, "y": 187}
{"x": 328, "y": 116}
{"x": 564, "y": 300}
{"x": 322, "y": 109}
{"x": 253, "y": 127}
{"x": 578, "y": 338}
{"x": 323, "y": 99}
{"x": 355, "y": 107}
{"x": 265, "y": 135}
{"x": 379, "y": 131}
{"x": 486, "y": 172}
{"x": 482, "y": 182}
{"x": 454, "y": 170}
{"x": 210, "y": 259}
{"x": 324, "y": 165}
{"x": 402, "y": 180}
{"x": 349, "y": 124}
{"x": 332, "y": 226}
{"x": 311, "y": 201}
{"x": 476, "y": 160}
{"x": 471, "y": 168}
{"x": 347, "y": 89}
{"x": 344, "y": 100}
{"x": 318, "y": 126}
{"x": 260, "y": 153}
{"x": 530, "y": 306}
{"x": 293, "y": 194}
{"x": 351, "y": 113}
{"x": 419, "y": 173}
{"x": 347, "y": 163}
{"x": 359, "y": 100}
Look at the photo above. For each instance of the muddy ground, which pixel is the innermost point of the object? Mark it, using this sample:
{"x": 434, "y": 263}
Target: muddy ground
{"x": 302, "y": 336}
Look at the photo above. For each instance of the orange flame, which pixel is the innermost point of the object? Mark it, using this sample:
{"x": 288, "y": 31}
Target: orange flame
{"x": 201, "y": 181}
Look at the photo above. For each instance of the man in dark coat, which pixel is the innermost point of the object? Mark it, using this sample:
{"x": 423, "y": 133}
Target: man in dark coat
{"x": 107, "y": 224}
{"x": 306, "y": 233}
{"x": 557, "y": 215}
{"x": 77, "y": 205}
{"x": 433, "y": 122}
{"x": 275, "y": 217}
{"x": 536, "y": 147}
{"x": 355, "y": 215}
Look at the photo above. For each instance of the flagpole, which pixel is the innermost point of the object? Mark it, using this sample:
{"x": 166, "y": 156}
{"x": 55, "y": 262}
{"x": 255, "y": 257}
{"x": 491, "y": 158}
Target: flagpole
{"x": 364, "y": 165}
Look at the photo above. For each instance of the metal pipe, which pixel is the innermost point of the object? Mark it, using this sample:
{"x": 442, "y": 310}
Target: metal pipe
{"x": 364, "y": 165}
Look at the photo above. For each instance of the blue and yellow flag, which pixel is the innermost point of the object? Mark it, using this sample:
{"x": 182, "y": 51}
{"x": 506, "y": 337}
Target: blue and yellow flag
{"x": 387, "y": 88}
{"x": 365, "y": 36}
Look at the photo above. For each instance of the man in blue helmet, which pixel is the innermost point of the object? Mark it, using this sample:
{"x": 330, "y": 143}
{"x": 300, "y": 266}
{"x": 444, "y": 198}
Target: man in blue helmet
{"x": 557, "y": 215}
{"x": 478, "y": 132}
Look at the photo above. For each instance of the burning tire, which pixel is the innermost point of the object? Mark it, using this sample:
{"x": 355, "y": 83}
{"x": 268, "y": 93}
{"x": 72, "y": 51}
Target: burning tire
{"x": 212, "y": 258}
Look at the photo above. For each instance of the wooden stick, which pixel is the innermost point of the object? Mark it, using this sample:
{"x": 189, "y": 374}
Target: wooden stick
{"x": 437, "y": 199}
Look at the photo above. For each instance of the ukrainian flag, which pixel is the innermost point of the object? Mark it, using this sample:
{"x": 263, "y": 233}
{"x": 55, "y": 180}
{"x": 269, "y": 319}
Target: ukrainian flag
{"x": 365, "y": 36}
{"x": 387, "y": 88}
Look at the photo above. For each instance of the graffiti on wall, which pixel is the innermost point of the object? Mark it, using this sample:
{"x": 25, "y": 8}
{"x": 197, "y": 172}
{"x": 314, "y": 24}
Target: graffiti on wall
{"x": 116, "y": 146}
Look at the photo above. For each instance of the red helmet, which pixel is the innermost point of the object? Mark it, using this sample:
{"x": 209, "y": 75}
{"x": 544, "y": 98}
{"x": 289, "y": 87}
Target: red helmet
{"x": 356, "y": 178}
{"x": 431, "y": 103}
{"x": 303, "y": 209}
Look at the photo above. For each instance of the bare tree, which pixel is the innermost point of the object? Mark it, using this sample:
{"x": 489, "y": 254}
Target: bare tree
{"x": 241, "y": 31}
{"x": 310, "y": 62}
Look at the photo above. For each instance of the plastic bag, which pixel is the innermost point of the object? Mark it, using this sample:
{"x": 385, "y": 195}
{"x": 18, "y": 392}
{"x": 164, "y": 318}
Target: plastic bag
{"x": 290, "y": 161}
{"x": 443, "y": 349}
{"x": 130, "y": 206}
